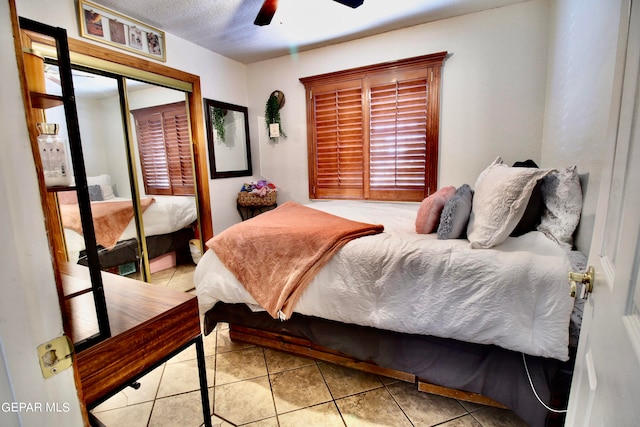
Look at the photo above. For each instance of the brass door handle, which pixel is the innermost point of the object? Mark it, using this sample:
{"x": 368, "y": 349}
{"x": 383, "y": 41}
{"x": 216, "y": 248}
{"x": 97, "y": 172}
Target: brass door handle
{"x": 587, "y": 279}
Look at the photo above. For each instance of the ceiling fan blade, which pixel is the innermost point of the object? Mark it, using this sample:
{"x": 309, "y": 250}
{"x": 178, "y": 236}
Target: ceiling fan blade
{"x": 266, "y": 13}
{"x": 351, "y": 3}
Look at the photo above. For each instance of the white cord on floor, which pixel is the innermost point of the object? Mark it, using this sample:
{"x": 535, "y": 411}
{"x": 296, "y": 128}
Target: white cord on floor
{"x": 526, "y": 368}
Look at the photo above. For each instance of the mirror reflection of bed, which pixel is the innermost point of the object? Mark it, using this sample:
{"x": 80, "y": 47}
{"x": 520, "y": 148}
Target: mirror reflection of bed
{"x": 157, "y": 187}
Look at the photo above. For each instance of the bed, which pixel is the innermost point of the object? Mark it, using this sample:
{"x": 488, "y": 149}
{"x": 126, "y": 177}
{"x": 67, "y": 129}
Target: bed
{"x": 479, "y": 313}
{"x": 168, "y": 224}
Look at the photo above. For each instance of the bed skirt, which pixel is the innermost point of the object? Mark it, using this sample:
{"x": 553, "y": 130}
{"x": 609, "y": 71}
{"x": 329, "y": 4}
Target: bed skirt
{"x": 487, "y": 371}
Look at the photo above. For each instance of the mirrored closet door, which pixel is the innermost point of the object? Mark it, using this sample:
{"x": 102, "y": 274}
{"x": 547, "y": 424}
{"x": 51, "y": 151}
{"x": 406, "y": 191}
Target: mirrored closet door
{"x": 162, "y": 154}
{"x": 137, "y": 155}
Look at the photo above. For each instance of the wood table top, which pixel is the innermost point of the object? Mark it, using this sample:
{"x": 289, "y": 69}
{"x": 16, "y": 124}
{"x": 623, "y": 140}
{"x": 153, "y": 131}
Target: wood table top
{"x": 130, "y": 302}
{"x": 148, "y": 324}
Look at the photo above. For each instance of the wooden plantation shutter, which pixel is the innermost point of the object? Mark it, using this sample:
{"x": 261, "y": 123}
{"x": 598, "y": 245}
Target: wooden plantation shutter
{"x": 398, "y": 137}
{"x": 164, "y": 146}
{"x": 178, "y": 146}
{"x": 153, "y": 157}
{"x": 339, "y": 133}
{"x": 373, "y": 131}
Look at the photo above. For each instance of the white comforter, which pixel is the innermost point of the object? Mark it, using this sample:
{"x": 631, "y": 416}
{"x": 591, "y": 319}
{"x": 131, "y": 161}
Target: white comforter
{"x": 166, "y": 215}
{"x": 515, "y": 295}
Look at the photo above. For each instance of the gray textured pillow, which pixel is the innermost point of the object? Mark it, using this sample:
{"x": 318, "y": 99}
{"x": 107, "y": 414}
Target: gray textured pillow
{"x": 562, "y": 196}
{"x": 455, "y": 214}
{"x": 104, "y": 181}
{"x": 95, "y": 193}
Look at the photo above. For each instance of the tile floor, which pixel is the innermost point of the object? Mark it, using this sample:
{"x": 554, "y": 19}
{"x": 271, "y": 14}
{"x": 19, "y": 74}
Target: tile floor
{"x": 253, "y": 386}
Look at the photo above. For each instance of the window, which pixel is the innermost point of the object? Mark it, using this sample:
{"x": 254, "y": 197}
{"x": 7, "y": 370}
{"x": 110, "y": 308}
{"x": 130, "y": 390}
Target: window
{"x": 164, "y": 145}
{"x": 373, "y": 131}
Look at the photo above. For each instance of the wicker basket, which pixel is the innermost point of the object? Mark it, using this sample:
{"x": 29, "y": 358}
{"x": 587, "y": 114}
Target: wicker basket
{"x": 246, "y": 198}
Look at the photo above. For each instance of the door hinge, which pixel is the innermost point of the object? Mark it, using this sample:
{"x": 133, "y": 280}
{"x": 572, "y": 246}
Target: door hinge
{"x": 55, "y": 356}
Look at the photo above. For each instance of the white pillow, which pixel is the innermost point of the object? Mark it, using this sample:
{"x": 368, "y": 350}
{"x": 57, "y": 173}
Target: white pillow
{"x": 499, "y": 201}
{"x": 104, "y": 181}
{"x": 562, "y": 197}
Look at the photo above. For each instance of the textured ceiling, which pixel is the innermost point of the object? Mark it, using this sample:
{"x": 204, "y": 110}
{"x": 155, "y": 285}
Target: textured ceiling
{"x": 226, "y": 26}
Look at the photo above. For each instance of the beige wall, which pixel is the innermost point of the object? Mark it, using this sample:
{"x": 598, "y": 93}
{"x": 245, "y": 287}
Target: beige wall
{"x": 530, "y": 80}
{"x": 493, "y": 91}
{"x": 583, "y": 41}
{"x": 520, "y": 83}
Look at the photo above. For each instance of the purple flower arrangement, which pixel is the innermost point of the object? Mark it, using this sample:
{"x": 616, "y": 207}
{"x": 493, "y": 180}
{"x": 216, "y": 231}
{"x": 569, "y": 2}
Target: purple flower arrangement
{"x": 261, "y": 188}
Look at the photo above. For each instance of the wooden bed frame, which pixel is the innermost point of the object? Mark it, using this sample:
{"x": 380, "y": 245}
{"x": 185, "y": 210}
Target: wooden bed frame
{"x": 305, "y": 348}
{"x": 482, "y": 374}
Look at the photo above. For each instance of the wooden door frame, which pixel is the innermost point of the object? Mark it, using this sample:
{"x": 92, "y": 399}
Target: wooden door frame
{"x": 196, "y": 118}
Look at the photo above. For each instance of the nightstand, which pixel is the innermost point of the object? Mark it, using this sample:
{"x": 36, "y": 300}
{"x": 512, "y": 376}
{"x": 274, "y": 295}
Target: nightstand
{"x": 247, "y": 212}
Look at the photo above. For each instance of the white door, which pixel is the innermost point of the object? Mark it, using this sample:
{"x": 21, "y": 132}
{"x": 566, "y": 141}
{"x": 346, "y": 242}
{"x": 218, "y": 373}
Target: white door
{"x": 606, "y": 386}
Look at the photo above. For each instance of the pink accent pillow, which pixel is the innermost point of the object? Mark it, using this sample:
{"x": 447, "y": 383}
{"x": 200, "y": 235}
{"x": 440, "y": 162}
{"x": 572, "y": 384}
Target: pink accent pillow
{"x": 67, "y": 198}
{"x": 430, "y": 209}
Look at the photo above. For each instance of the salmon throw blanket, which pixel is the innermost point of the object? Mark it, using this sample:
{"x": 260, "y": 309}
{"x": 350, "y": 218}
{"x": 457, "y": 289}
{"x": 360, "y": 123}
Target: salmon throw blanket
{"x": 276, "y": 254}
{"x": 109, "y": 219}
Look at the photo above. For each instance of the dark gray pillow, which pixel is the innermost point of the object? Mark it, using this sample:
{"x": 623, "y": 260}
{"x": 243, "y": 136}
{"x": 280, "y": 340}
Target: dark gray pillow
{"x": 533, "y": 213}
{"x": 95, "y": 193}
{"x": 455, "y": 214}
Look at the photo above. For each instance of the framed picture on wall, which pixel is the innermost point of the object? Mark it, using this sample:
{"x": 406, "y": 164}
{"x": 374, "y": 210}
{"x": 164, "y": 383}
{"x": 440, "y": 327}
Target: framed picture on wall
{"x": 110, "y": 27}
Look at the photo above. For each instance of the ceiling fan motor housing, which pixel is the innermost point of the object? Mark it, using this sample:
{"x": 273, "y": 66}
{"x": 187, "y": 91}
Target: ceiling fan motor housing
{"x": 351, "y": 3}
{"x": 268, "y": 9}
